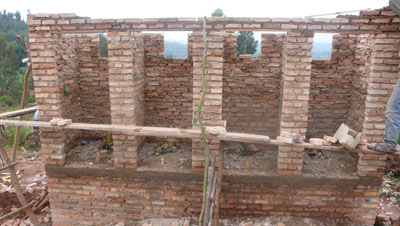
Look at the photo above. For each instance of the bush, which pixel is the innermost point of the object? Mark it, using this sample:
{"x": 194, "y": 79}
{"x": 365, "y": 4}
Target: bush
{"x": 7, "y": 101}
{"x": 10, "y": 132}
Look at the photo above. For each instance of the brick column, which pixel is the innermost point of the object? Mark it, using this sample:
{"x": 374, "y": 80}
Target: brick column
{"x": 295, "y": 90}
{"x": 382, "y": 77}
{"x": 371, "y": 164}
{"x": 125, "y": 60}
{"x": 212, "y": 109}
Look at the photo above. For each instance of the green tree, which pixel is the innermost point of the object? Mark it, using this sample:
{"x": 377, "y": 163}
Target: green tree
{"x": 218, "y": 13}
{"x": 103, "y": 46}
{"x": 9, "y": 67}
{"x": 246, "y": 44}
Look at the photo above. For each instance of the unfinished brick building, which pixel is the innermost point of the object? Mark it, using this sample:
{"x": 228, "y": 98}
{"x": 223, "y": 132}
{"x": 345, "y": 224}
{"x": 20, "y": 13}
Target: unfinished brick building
{"x": 282, "y": 90}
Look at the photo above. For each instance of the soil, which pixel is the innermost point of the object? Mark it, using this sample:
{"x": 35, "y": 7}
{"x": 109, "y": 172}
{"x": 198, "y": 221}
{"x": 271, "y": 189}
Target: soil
{"x": 338, "y": 164}
{"x": 85, "y": 155}
{"x": 254, "y": 221}
{"x": 32, "y": 177}
{"x": 179, "y": 159}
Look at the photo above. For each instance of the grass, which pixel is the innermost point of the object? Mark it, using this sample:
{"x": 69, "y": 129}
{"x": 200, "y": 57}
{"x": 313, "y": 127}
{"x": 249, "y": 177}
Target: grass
{"x": 10, "y": 130}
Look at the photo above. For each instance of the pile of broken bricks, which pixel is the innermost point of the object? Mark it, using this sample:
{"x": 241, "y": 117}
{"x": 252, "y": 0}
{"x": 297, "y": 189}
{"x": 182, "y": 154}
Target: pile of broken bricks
{"x": 60, "y": 122}
{"x": 344, "y": 136}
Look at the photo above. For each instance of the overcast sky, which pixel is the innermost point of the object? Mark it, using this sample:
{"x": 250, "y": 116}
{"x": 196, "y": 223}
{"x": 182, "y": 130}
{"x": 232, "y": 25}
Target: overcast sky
{"x": 187, "y": 8}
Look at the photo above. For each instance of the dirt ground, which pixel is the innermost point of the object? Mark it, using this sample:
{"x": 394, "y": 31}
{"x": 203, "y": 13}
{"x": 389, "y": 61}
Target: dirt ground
{"x": 32, "y": 177}
{"x": 259, "y": 221}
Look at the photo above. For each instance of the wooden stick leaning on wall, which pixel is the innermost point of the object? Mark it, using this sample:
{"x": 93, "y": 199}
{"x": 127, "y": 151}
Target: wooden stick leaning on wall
{"x": 23, "y": 98}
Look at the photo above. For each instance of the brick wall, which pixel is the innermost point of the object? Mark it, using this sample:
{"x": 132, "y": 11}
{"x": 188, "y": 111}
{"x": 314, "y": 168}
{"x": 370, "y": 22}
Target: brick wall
{"x": 358, "y": 92}
{"x": 212, "y": 108}
{"x": 78, "y": 199}
{"x": 126, "y": 69}
{"x": 251, "y": 86}
{"x": 384, "y": 72}
{"x": 289, "y": 92}
{"x": 331, "y": 86}
{"x": 168, "y": 89}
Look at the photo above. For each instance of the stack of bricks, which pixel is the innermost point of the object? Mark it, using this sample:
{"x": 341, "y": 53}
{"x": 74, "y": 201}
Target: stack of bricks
{"x": 251, "y": 86}
{"x": 169, "y": 85}
{"x": 294, "y": 97}
{"x": 126, "y": 69}
{"x": 212, "y": 108}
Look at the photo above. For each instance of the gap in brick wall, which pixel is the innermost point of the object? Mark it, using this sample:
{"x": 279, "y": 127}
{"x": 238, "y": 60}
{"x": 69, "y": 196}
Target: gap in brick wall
{"x": 175, "y": 43}
{"x": 322, "y": 46}
{"x": 257, "y": 38}
{"x": 103, "y": 44}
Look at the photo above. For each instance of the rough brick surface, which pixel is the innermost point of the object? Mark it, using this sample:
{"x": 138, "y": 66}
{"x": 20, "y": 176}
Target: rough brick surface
{"x": 126, "y": 69}
{"x": 81, "y": 200}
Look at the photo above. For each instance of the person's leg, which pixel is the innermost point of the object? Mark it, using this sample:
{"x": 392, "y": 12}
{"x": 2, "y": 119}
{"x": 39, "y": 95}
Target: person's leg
{"x": 392, "y": 124}
{"x": 393, "y": 117}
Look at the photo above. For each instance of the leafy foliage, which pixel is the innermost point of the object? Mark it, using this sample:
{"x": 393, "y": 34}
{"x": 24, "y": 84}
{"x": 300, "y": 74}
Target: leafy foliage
{"x": 103, "y": 45}
{"x": 11, "y": 54}
{"x": 11, "y": 24}
{"x": 218, "y": 13}
{"x": 246, "y": 44}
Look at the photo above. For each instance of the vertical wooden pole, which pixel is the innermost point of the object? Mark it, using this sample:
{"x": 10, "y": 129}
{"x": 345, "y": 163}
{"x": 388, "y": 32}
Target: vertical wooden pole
{"x": 219, "y": 183}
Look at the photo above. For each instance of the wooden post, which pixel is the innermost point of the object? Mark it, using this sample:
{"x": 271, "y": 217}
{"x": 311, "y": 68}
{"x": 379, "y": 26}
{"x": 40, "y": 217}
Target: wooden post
{"x": 23, "y": 98}
{"x": 219, "y": 183}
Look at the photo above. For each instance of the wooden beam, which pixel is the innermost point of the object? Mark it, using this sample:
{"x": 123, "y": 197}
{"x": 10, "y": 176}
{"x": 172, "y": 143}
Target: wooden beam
{"x": 8, "y": 166}
{"x": 17, "y": 210}
{"x": 18, "y": 112}
{"x": 168, "y": 132}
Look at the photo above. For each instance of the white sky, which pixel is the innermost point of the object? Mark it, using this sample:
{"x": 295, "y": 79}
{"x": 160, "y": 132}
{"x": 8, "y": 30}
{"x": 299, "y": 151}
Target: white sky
{"x": 188, "y": 8}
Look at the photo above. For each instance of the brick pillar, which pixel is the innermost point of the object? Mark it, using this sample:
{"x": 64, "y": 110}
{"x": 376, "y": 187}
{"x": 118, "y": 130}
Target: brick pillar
{"x": 383, "y": 75}
{"x": 55, "y": 65}
{"x": 295, "y": 90}
{"x": 371, "y": 164}
{"x": 125, "y": 60}
{"x": 212, "y": 109}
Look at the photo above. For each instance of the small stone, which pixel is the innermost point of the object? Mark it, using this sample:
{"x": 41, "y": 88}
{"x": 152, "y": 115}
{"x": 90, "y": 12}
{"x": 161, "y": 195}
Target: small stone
{"x": 285, "y": 140}
{"x": 246, "y": 224}
{"x": 294, "y": 136}
{"x": 330, "y": 139}
{"x": 280, "y": 224}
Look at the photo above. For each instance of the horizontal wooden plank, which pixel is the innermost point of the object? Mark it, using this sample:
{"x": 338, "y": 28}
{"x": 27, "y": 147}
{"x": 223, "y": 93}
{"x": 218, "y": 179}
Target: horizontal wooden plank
{"x": 168, "y": 132}
{"x": 18, "y": 112}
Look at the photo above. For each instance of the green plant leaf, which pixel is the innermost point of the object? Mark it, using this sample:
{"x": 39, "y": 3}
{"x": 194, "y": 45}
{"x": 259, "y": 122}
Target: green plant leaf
{"x": 66, "y": 90}
{"x": 194, "y": 122}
